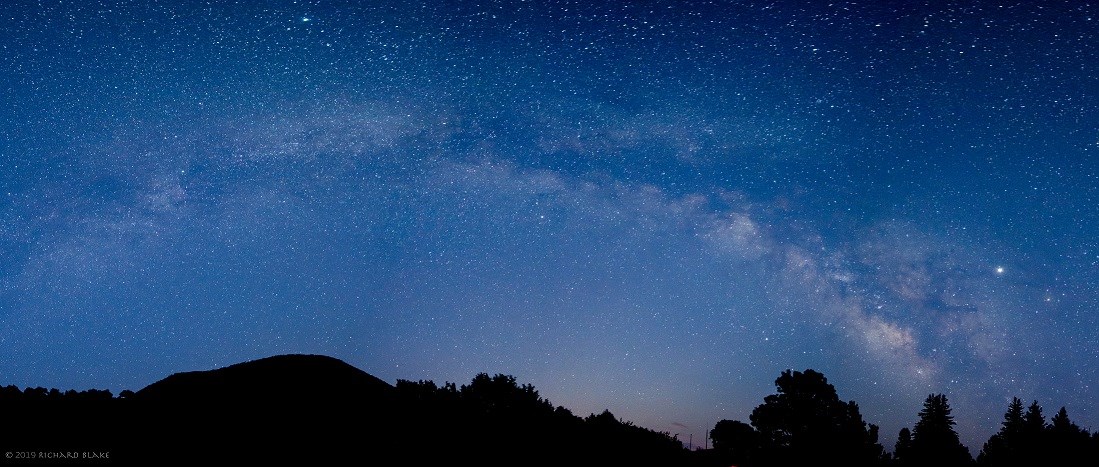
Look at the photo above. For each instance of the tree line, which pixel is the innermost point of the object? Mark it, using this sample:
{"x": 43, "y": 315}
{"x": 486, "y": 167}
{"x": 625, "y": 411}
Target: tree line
{"x": 806, "y": 422}
{"x": 12, "y": 393}
{"x": 494, "y": 420}
{"x": 517, "y": 422}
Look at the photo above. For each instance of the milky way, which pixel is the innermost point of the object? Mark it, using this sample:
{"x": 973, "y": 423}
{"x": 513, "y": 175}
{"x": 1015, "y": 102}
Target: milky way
{"x": 650, "y": 209}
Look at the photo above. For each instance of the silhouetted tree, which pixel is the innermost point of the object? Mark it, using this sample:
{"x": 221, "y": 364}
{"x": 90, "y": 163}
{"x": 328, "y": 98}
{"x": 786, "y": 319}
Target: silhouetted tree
{"x": 10, "y": 392}
{"x": 501, "y": 394}
{"x": 37, "y": 394}
{"x": 1033, "y": 443}
{"x": 1060, "y": 423}
{"x": 90, "y": 395}
{"x": 996, "y": 451}
{"x": 1024, "y": 438}
{"x": 606, "y": 419}
{"x": 623, "y": 443}
{"x": 1001, "y": 448}
{"x": 806, "y": 422}
{"x": 903, "y": 449}
{"x": 1034, "y": 423}
{"x": 1013, "y": 419}
{"x": 934, "y": 441}
{"x": 1093, "y": 446}
{"x": 496, "y": 414}
{"x": 736, "y": 442}
{"x": 1066, "y": 442}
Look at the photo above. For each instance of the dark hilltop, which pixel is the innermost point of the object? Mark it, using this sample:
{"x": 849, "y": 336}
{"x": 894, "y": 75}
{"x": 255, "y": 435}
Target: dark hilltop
{"x": 313, "y": 409}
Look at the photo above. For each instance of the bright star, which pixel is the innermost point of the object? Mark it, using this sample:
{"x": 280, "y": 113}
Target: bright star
{"x": 999, "y": 269}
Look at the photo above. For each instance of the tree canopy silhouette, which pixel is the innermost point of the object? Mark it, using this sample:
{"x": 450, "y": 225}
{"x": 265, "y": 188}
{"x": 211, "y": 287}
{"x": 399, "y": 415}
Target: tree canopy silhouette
{"x": 516, "y": 421}
{"x": 902, "y": 451}
{"x": 805, "y": 421}
{"x": 736, "y": 442}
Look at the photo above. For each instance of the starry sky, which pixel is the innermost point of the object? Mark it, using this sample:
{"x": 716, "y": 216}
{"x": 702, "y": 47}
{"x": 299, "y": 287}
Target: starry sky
{"x": 652, "y": 208}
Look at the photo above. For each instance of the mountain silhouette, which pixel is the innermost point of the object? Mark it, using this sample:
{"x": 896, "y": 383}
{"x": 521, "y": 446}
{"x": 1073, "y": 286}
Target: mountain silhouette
{"x": 309, "y": 408}
{"x": 276, "y": 379}
{"x": 318, "y": 410}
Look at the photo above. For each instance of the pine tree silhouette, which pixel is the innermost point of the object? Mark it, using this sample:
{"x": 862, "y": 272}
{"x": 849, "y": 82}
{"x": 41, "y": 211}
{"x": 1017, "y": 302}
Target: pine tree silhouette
{"x": 934, "y": 441}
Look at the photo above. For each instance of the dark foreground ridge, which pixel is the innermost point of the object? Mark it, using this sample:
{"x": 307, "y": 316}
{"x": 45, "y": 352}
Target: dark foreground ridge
{"x": 315, "y": 410}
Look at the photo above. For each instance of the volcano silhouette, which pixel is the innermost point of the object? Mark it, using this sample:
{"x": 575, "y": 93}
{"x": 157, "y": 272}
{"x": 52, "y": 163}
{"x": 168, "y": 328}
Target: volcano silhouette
{"x": 318, "y": 410}
{"x": 303, "y": 407}
{"x": 272, "y": 380}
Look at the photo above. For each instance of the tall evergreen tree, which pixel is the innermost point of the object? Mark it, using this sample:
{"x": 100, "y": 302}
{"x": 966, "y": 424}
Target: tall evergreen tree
{"x": 1013, "y": 419}
{"x": 1026, "y": 439}
{"x": 1032, "y": 444}
{"x": 1034, "y": 422}
{"x": 1060, "y": 422}
{"x": 1067, "y": 443}
{"x": 934, "y": 441}
{"x": 1002, "y": 448}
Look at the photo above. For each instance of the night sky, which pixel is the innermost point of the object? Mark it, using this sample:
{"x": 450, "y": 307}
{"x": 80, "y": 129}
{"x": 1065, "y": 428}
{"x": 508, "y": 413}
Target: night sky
{"x": 651, "y": 208}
